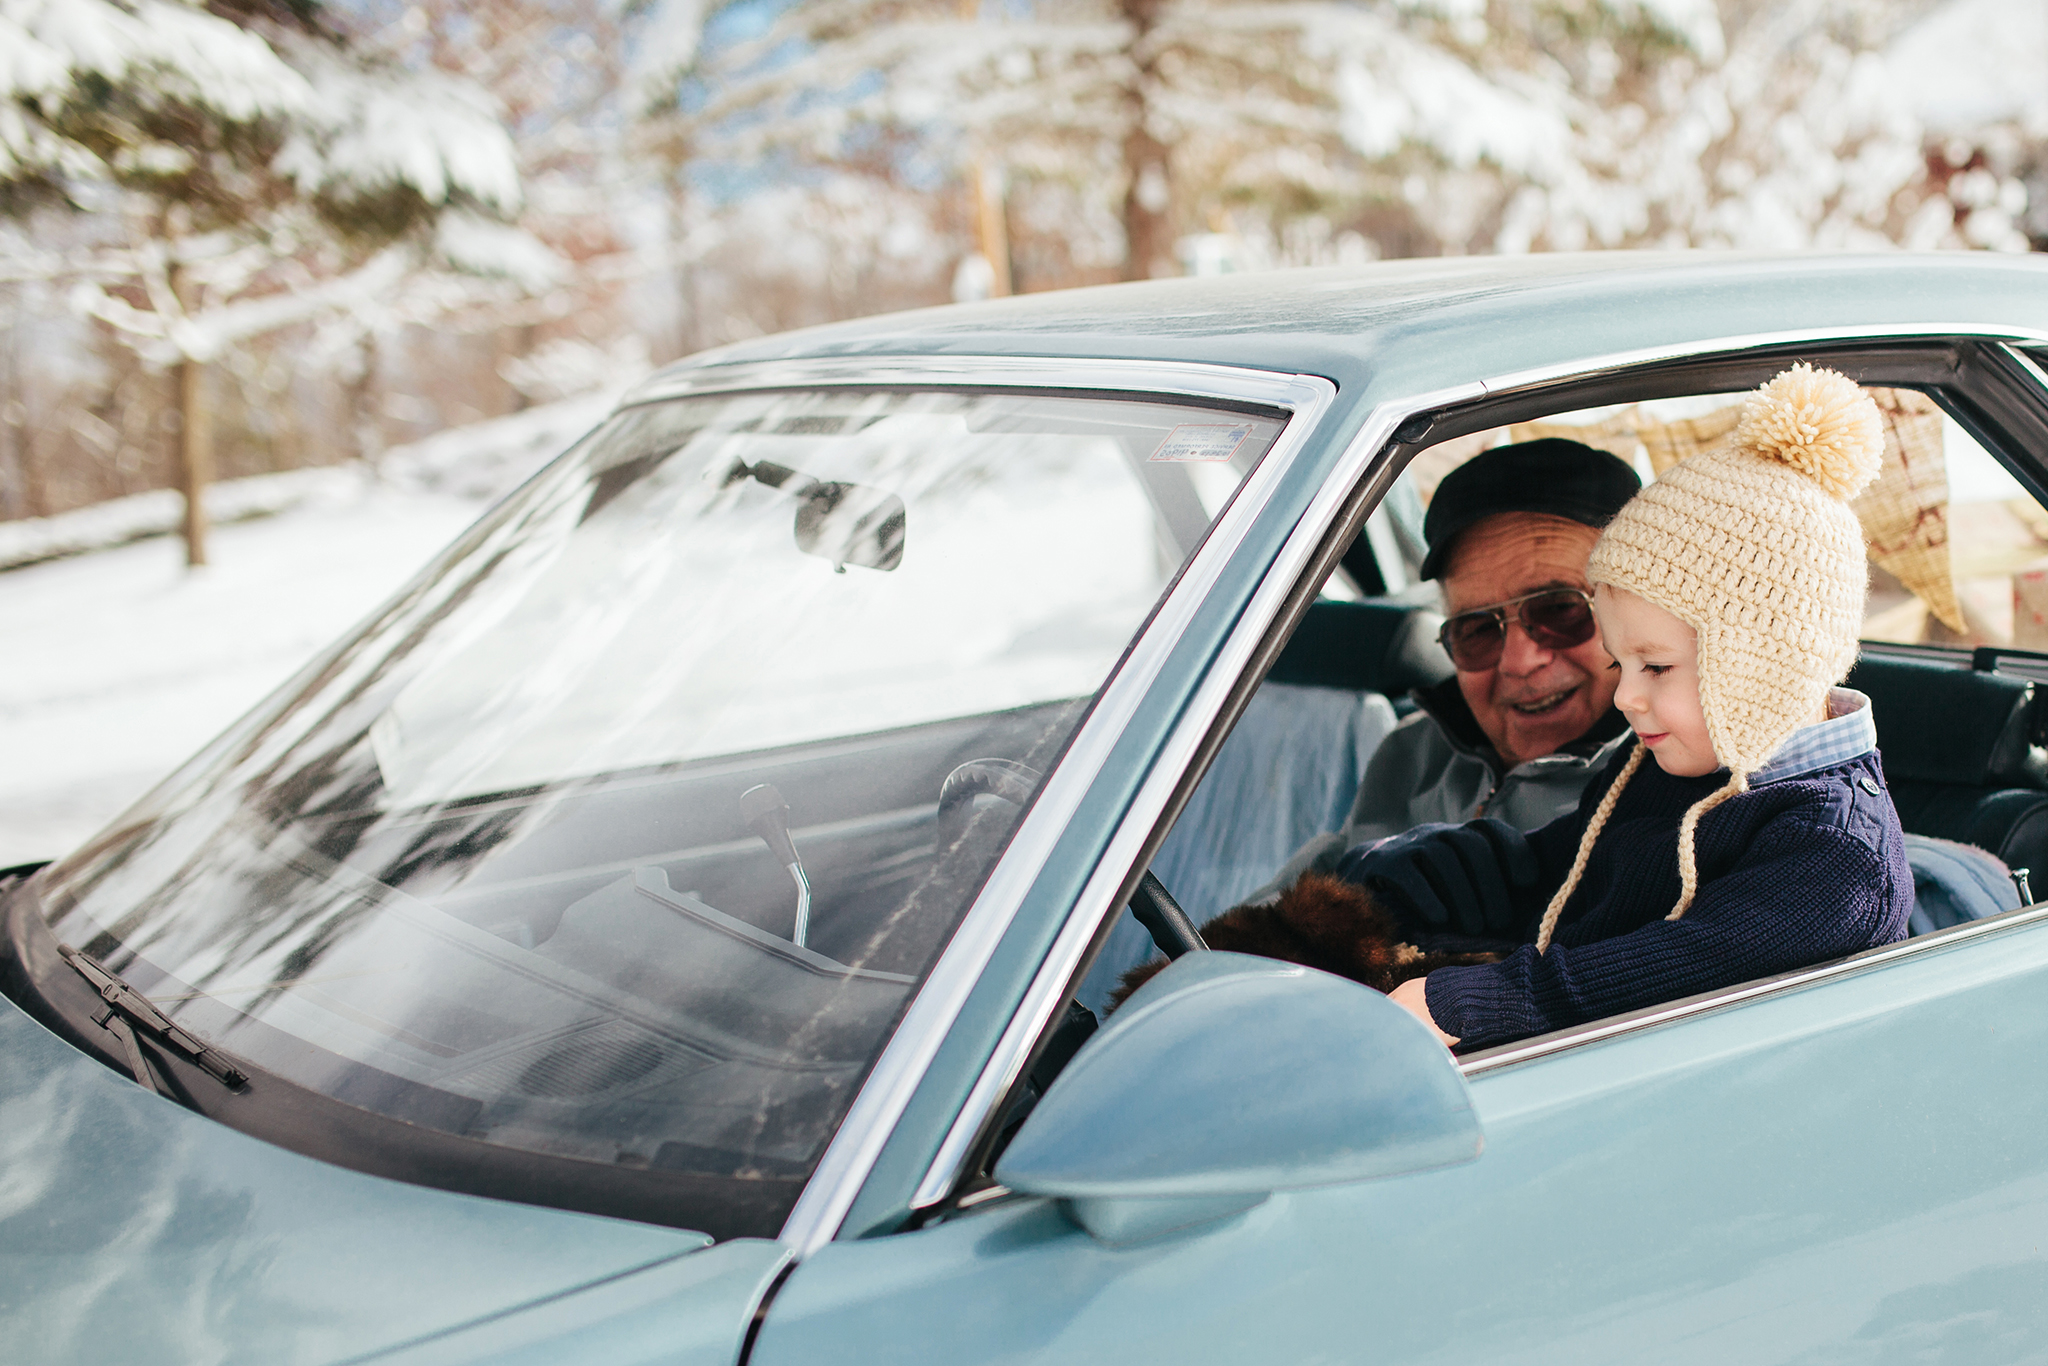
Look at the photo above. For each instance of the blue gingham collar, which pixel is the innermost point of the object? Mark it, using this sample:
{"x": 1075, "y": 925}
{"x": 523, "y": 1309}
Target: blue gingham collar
{"x": 1849, "y": 732}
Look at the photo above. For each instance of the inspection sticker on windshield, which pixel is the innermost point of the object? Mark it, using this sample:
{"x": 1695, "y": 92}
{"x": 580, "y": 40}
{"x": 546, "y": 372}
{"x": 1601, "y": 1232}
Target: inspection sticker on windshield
{"x": 1202, "y": 441}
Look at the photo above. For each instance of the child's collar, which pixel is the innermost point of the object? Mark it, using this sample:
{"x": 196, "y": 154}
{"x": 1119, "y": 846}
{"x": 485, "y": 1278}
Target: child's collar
{"x": 1849, "y": 733}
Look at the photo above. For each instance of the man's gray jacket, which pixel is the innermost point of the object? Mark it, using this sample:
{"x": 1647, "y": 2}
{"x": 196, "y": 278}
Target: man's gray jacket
{"x": 1438, "y": 765}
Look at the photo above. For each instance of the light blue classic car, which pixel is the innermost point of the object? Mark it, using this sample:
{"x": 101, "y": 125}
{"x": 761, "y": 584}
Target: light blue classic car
{"x": 678, "y": 927}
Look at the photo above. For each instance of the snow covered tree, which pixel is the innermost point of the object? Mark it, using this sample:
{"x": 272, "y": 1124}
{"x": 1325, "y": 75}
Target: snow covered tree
{"x": 1785, "y": 131}
{"x": 1818, "y": 123}
{"x": 1131, "y": 126}
{"x": 262, "y": 171}
{"x": 1976, "y": 74}
{"x": 1177, "y": 112}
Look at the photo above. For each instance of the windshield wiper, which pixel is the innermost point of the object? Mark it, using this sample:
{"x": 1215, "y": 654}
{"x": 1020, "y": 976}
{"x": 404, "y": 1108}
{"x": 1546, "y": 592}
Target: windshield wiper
{"x": 128, "y": 1010}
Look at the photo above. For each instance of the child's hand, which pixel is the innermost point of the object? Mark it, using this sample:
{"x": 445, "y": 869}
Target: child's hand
{"x": 1409, "y": 996}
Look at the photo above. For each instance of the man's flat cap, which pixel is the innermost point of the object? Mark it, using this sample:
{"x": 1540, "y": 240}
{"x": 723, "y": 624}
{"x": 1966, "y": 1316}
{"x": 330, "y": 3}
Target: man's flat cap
{"x": 1555, "y": 477}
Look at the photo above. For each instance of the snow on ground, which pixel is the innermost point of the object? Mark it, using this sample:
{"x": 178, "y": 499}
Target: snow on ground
{"x": 124, "y": 662}
{"x": 121, "y": 663}
{"x": 159, "y": 512}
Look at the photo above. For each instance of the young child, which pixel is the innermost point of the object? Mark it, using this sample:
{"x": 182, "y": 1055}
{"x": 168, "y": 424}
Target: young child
{"x": 1729, "y": 593}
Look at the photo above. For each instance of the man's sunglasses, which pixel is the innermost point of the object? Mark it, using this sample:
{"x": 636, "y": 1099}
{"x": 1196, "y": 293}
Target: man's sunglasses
{"x": 1555, "y": 618}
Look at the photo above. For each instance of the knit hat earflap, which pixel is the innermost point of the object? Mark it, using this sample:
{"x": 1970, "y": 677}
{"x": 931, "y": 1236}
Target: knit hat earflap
{"x": 1754, "y": 546}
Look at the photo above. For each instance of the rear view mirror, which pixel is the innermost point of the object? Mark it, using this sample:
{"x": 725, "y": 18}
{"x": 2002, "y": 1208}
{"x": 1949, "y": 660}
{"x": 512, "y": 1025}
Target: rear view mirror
{"x": 850, "y": 524}
{"x": 844, "y": 523}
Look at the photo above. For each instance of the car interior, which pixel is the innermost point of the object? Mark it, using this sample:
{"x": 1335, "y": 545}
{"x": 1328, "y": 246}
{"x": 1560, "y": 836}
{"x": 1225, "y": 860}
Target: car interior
{"x": 1955, "y": 654}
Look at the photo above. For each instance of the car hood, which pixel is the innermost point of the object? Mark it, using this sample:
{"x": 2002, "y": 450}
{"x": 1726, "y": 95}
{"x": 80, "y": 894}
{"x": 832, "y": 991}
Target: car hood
{"x": 134, "y": 1229}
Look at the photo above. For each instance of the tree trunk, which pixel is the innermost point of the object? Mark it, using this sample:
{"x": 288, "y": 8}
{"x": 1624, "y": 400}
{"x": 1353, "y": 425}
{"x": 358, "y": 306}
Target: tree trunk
{"x": 1148, "y": 208}
{"x": 14, "y": 477}
{"x": 195, "y": 454}
{"x": 365, "y": 426}
{"x": 1148, "y": 193}
{"x": 689, "y": 332}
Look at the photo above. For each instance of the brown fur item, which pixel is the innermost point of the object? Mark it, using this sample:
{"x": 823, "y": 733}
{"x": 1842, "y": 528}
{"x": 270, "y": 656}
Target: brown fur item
{"x": 1319, "y": 922}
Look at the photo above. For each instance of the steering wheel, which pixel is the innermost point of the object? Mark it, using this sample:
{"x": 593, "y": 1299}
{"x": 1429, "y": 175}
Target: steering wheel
{"x": 1012, "y": 782}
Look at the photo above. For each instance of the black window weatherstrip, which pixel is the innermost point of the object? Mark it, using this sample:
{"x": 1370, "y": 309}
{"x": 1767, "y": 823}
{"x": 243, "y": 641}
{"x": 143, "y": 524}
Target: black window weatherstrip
{"x": 2001, "y": 399}
{"x": 1939, "y": 361}
{"x": 1912, "y": 362}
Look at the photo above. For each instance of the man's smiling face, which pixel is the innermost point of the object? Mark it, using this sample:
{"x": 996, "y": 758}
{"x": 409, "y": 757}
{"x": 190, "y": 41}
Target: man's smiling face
{"x": 1535, "y": 699}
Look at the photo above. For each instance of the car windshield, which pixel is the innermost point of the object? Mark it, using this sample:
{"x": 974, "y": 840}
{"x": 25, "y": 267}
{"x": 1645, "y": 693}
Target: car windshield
{"x": 617, "y": 838}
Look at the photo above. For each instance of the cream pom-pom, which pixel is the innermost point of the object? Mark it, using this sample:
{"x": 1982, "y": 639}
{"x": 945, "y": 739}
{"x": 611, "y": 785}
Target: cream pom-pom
{"x": 1819, "y": 422}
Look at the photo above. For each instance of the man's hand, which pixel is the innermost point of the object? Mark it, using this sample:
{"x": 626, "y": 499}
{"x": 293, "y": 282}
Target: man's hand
{"x": 1411, "y": 997}
{"x": 1461, "y": 878}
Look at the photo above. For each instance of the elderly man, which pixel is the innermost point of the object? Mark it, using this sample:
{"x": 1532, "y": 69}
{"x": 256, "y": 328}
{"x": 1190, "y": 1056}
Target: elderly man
{"x": 1528, "y": 717}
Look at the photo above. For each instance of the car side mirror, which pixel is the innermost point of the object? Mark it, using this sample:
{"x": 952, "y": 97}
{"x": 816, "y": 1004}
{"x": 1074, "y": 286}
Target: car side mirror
{"x": 1228, "y": 1077}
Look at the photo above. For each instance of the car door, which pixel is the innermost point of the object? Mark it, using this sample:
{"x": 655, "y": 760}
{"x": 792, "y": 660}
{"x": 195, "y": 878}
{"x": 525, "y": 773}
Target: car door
{"x": 1845, "y": 1166}
{"x": 1845, "y": 1163}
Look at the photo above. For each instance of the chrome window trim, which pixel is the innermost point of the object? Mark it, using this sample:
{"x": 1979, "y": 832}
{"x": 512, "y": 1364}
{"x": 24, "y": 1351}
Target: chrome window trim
{"x": 1054, "y": 975}
{"x": 858, "y": 1142}
{"x": 1707, "y": 1003}
{"x": 1192, "y": 379}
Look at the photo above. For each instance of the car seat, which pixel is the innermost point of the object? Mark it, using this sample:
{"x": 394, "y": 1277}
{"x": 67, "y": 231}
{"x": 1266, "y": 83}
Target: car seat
{"x": 1963, "y": 757}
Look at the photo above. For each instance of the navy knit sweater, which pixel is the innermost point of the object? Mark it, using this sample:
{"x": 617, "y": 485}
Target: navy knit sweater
{"x": 1791, "y": 873}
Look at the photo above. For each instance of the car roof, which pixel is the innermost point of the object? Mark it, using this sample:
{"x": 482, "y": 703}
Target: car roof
{"x": 1438, "y": 322}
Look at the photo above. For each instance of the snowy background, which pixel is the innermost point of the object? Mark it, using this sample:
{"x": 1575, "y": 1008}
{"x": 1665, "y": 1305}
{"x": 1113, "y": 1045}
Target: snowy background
{"x": 123, "y": 661}
{"x": 356, "y": 265}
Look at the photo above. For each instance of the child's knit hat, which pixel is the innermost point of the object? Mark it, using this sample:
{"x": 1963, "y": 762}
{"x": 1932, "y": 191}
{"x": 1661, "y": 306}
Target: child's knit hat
{"x": 1754, "y": 546}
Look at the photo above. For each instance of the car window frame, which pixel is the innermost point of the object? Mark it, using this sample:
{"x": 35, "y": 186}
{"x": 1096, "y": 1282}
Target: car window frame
{"x": 1302, "y": 400}
{"x": 1979, "y": 374}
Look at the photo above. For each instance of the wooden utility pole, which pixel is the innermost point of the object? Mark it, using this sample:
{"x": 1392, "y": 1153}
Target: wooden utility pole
{"x": 991, "y": 216}
{"x": 993, "y": 226}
